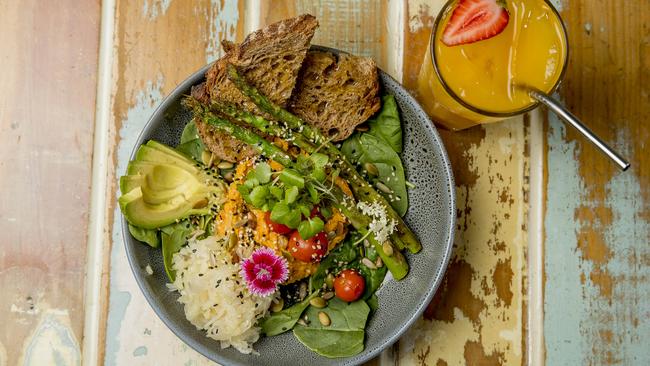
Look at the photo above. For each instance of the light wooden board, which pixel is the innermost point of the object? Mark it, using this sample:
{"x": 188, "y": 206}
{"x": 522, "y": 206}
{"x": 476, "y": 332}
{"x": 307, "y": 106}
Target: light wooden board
{"x": 47, "y": 104}
{"x": 479, "y": 315}
{"x": 597, "y": 222}
{"x": 157, "y": 44}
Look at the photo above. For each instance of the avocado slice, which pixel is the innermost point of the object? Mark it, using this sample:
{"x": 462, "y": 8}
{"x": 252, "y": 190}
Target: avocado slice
{"x": 151, "y": 155}
{"x": 165, "y": 182}
{"x": 147, "y": 216}
{"x": 130, "y": 182}
{"x": 168, "y": 150}
{"x": 162, "y": 186}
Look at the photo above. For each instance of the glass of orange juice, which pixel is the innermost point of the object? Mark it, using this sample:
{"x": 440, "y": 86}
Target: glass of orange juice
{"x": 481, "y": 54}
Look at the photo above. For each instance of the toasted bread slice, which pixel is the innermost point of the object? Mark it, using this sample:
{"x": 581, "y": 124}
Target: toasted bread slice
{"x": 269, "y": 59}
{"x": 336, "y": 93}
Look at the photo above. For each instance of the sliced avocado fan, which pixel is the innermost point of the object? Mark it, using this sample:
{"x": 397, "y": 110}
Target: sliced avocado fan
{"x": 163, "y": 186}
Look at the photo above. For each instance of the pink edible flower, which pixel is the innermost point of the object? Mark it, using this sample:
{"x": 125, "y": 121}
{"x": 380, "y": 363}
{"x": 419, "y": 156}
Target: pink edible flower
{"x": 263, "y": 271}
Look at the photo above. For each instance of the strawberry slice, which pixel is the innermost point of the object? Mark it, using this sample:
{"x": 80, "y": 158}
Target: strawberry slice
{"x": 475, "y": 20}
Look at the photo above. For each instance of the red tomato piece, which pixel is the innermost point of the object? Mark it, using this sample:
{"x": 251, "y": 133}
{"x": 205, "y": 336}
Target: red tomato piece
{"x": 349, "y": 285}
{"x": 310, "y": 250}
{"x": 275, "y": 227}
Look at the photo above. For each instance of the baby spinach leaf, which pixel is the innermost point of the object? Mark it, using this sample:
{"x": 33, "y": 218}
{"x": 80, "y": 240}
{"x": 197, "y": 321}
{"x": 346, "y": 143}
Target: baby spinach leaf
{"x": 374, "y": 278}
{"x": 373, "y": 302}
{"x": 346, "y": 252}
{"x": 386, "y": 124}
{"x": 190, "y": 132}
{"x": 149, "y": 236}
{"x": 191, "y": 144}
{"x": 284, "y": 320}
{"x": 345, "y": 334}
{"x": 173, "y": 238}
{"x": 331, "y": 343}
{"x": 366, "y": 148}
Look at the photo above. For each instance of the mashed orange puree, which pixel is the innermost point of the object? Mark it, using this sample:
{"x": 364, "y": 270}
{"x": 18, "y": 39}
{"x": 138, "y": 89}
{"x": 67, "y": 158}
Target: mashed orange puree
{"x": 248, "y": 224}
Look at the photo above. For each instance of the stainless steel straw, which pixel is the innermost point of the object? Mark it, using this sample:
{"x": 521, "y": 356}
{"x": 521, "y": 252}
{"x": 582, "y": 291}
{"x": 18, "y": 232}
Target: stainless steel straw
{"x": 568, "y": 117}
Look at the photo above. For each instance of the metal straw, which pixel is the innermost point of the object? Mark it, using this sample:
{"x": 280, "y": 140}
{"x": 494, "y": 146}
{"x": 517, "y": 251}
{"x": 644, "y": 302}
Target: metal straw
{"x": 568, "y": 117}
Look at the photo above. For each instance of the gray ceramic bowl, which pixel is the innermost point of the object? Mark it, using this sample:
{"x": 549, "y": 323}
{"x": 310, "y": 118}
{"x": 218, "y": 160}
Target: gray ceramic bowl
{"x": 431, "y": 215}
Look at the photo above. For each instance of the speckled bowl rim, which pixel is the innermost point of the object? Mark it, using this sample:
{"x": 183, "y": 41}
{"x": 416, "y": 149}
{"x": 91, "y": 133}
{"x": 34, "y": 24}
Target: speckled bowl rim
{"x": 213, "y": 354}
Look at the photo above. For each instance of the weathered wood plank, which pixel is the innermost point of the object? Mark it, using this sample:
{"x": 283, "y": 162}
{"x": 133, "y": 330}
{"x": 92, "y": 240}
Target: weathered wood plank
{"x": 158, "y": 44}
{"x": 355, "y": 26}
{"x": 47, "y": 103}
{"x": 597, "y": 220}
{"x": 478, "y": 316}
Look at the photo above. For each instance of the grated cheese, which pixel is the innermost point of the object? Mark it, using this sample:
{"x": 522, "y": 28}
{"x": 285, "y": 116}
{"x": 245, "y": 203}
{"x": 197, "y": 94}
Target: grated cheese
{"x": 381, "y": 226}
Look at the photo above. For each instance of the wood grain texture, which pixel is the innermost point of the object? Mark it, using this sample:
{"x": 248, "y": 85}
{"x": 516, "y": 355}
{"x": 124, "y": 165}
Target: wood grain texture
{"x": 158, "y": 44}
{"x": 355, "y": 26}
{"x": 597, "y": 301}
{"x": 47, "y": 104}
{"x": 478, "y": 316}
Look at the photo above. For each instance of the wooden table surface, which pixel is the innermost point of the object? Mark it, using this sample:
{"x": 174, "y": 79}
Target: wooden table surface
{"x": 551, "y": 259}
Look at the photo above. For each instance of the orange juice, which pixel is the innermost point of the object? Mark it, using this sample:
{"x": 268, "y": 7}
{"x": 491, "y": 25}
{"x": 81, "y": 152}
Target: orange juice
{"x": 467, "y": 84}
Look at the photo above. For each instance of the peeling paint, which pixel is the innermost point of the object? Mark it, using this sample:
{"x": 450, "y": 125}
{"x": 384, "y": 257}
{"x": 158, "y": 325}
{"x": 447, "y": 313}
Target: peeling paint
{"x": 120, "y": 297}
{"x": 596, "y": 295}
{"x": 224, "y": 16}
{"x": 140, "y": 351}
{"x": 476, "y": 317}
{"x": 52, "y": 343}
{"x": 420, "y": 14}
{"x": 151, "y": 9}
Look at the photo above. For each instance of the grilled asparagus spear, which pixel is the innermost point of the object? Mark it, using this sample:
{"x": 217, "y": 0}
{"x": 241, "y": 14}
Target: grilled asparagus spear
{"x": 395, "y": 262}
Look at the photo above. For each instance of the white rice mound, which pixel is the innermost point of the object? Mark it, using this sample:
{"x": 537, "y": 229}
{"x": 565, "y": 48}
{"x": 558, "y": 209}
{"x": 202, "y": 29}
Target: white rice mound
{"x": 215, "y": 297}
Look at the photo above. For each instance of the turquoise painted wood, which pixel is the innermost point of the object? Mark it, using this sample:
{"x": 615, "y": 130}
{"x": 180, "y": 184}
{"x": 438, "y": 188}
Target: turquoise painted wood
{"x": 597, "y": 220}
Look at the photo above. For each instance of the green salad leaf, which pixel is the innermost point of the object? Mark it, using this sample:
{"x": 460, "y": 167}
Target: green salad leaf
{"x": 343, "y": 337}
{"x": 310, "y": 227}
{"x": 286, "y": 319}
{"x": 173, "y": 238}
{"x": 191, "y": 144}
{"x": 386, "y": 124}
{"x": 374, "y": 277}
{"x": 365, "y": 148}
{"x": 149, "y": 236}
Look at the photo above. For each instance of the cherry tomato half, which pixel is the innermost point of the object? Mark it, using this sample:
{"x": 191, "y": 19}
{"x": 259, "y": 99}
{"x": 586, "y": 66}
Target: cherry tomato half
{"x": 275, "y": 227}
{"x": 349, "y": 285}
{"x": 310, "y": 250}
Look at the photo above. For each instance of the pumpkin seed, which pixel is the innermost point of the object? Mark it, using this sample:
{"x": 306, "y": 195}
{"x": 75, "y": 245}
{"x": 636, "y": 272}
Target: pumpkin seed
{"x": 379, "y": 263}
{"x": 329, "y": 280}
{"x": 302, "y": 322}
{"x": 225, "y": 165}
{"x": 382, "y": 187}
{"x": 368, "y": 263}
{"x": 277, "y": 306}
{"x": 232, "y": 241}
{"x": 206, "y": 157}
{"x": 318, "y": 302}
{"x": 328, "y": 295}
{"x": 371, "y": 169}
{"x": 324, "y": 318}
{"x": 388, "y": 248}
{"x": 303, "y": 291}
{"x": 362, "y": 128}
{"x": 229, "y": 177}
